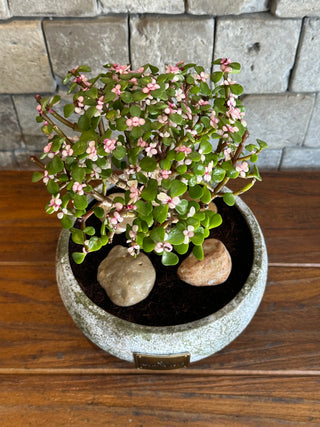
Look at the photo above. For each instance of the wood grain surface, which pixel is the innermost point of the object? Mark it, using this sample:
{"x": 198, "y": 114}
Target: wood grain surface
{"x": 51, "y": 375}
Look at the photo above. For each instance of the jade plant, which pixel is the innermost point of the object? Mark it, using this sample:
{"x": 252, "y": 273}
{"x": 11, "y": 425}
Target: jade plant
{"x": 170, "y": 142}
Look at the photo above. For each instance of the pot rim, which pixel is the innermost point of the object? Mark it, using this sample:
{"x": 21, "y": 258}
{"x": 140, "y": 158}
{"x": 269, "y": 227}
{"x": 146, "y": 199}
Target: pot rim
{"x": 258, "y": 269}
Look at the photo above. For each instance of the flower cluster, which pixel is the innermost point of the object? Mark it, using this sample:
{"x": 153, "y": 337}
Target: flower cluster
{"x": 170, "y": 142}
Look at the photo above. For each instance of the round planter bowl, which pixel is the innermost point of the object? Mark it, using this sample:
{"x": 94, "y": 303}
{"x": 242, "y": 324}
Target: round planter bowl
{"x": 200, "y": 338}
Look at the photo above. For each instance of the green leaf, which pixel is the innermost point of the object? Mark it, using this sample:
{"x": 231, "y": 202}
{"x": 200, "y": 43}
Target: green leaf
{"x": 256, "y": 173}
{"x": 89, "y": 230}
{"x": 262, "y": 144}
{"x": 66, "y": 222}
{"x": 198, "y": 237}
{"x": 148, "y": 164}
{"x": 99, "y": 212}
{"x": 228, "y": 199}
{"x": 78, "y": 257}
{"x": 236, "y": 89}
{"x": 196, "y": 192}
{"x": 68, "y": 110}
{"x": 206, "y": 196}
{"x": 216, "y": 76}
{"x": 157, "y": 234}
{"x": 84, "y": 69}
{"x": 198, "y": 169}
{"x": 84, "y": 122}
{"x": 181, "y": 249}
{"x": 177, "y": 188}
{"x": 176, "y": 118}
{"x": 182, "y": 207}
{"x": 37, "y": 176}
{"x": 215, "y": 221}
{"x": 120, "y": 152}
{"x": 121, "y": 124}
{"x": 218, "y": 174}
{"x": 79, "y": 147}
{"x": 148, "y": 244}
{"x": 94, "y": 244}
{"x": 77, "y": 236}
{"x": 198, "y": 252}
{"x": 143, "y": 208}
{"x": 206, "y": 147}
{"x": 175, "y": 236}
{"x": 160, "y": 213}
{"x": 52, "y": 187}
{"x": 126, "y": 97}
{"x": 204, "y": 88}
{"x": 55, "y": 166}
{"x": 169, "y": 258}
{"x": 80, "y": 202}
{"x": 78, "y": 173}
{"x": 150, "y": 190}
{"x": 135, "y": 111}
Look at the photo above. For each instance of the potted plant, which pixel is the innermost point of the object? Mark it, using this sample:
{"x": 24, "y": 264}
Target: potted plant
{"x": 136, "y": 168}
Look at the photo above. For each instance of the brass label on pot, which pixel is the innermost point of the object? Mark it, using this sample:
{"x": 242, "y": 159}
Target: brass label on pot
{"x": 161, "y": 362}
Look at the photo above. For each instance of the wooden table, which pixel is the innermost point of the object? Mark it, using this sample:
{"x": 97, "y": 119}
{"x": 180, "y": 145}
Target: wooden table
{"x": 51, "y": 375}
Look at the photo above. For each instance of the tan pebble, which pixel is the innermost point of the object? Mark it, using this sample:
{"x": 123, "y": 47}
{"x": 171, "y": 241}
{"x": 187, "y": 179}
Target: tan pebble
{"x": 214, "y": 269}
{"x": 126, "y": 280}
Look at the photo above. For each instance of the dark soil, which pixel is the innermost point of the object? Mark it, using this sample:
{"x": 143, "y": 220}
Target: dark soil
{"x": 172, "y": 301}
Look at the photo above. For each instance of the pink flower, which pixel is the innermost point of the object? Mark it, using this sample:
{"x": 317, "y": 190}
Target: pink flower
{"x": 229, "y": 128}
{"x": 203, "y": 102}
{"x": 163, "y": 246}
{"x": 224, "y": 65}
{"x": 227, "y": 152}
{"x": 180, "y": 95}
{"x": 78, "y": 188}
{"x": 67, "y": 151}
{"x": 118, "y": 206}
{"x": 121, "y": 69}
{"x": 99, "y": 105}
{"x": 82, "y": 79}
{"x": 115, "y": 219}
{"x": 170, "y": 109}
{"x": 235, "y": 113}
{"x": 151, "y": 149}
{"x": 109, "y": 145}
{"x": 242, "y": 168}
{"x": 214, "y": 120}
{"x": 172, "y": 202}
{"x": 55, "y": 202}
{"x": 141, "y": 143}
{"x": 134, "y": 193}
{"x": 135, "y": 121}
{"x": 163, "y": 118}
{"x": 171, "y": 69}
{"x": 117, "y": 90}
{"x": 188, "y": 234}
{"x": 92, "y": 151}
{"x": 165, "y": 174}
{"x": 74, "y": 69}
{"x": 39, "y": 108}
{"x": 203, "y": 76}
{"x": 133, "y": 232}
{"x": 151, "y": 86}
{"x": 134, "y": 249}
{"x": 79, "y": 106}
{"x": 47, "y": 148}
{"x": 183, "y": 149}
{"x": 46, "y": 177}
{"x": 207, "y": 173}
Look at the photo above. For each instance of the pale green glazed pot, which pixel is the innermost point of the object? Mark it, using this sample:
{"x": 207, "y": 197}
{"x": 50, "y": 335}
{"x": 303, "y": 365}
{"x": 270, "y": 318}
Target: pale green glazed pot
{"x": 200, "y": 338}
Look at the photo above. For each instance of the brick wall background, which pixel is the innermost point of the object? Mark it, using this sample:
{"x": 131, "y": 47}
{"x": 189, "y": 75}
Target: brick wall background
{"x": 277, "y": 42}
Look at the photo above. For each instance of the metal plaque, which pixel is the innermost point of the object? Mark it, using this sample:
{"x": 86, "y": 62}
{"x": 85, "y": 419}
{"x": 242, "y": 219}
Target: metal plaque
{"x": 161, "y": 362}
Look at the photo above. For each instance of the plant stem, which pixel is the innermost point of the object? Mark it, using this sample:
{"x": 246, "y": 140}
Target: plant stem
{"x": 35, "y": 160}
{"x": 66, "y": 122}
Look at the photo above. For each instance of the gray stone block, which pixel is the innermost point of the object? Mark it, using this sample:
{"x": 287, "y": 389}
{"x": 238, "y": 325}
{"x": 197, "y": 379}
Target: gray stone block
{"x": 24, "y": 65}
{"x": 53, "y": 8}
{"x": 22, "y": 158}
{"x": 306, "y": 73}
{"x": 294, "y": 8}
{"x": 7, "y": 161}
{"x": 227, "y": 7}
{"x": 10, "y": 134}
{"x": 168, "y": 40}
{"x": 301, "y": 158}
{"x": 313, "y": 133}
{"x": 93, "y": 42}
{"x": 138, "y": 6}
{"x": 265, "y": 47}
{"x": 4, "y": 10}
{"x": 279, "y": 120}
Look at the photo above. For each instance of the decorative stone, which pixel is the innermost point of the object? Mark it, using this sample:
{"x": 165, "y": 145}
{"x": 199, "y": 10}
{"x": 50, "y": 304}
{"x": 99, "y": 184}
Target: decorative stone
{"x": 295, "y": 9}
{"x": 53, "y": 8}
{"x": 228, "y": 7}
{"x": 312, "y": 138}
{"x": 126, "y": 280}
{"x": 214, "y": 269}
{"x": 10, "y": 135}
{"x": 138, "y": 6}
{"x": 296, "y": 157}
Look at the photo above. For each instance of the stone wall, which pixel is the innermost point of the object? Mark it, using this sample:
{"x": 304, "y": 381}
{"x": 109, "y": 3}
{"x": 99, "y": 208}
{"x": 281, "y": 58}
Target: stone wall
{"x": 277, "y": 42}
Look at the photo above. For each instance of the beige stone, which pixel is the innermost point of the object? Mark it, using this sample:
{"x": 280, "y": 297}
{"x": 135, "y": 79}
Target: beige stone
{"x": 126, "y": 280}
{"x": 24, "y": 65}
{"x": 214, "y": 269}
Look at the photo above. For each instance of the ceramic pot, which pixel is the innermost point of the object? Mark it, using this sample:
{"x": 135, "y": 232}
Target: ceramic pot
{"x": 197, "y": 340}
